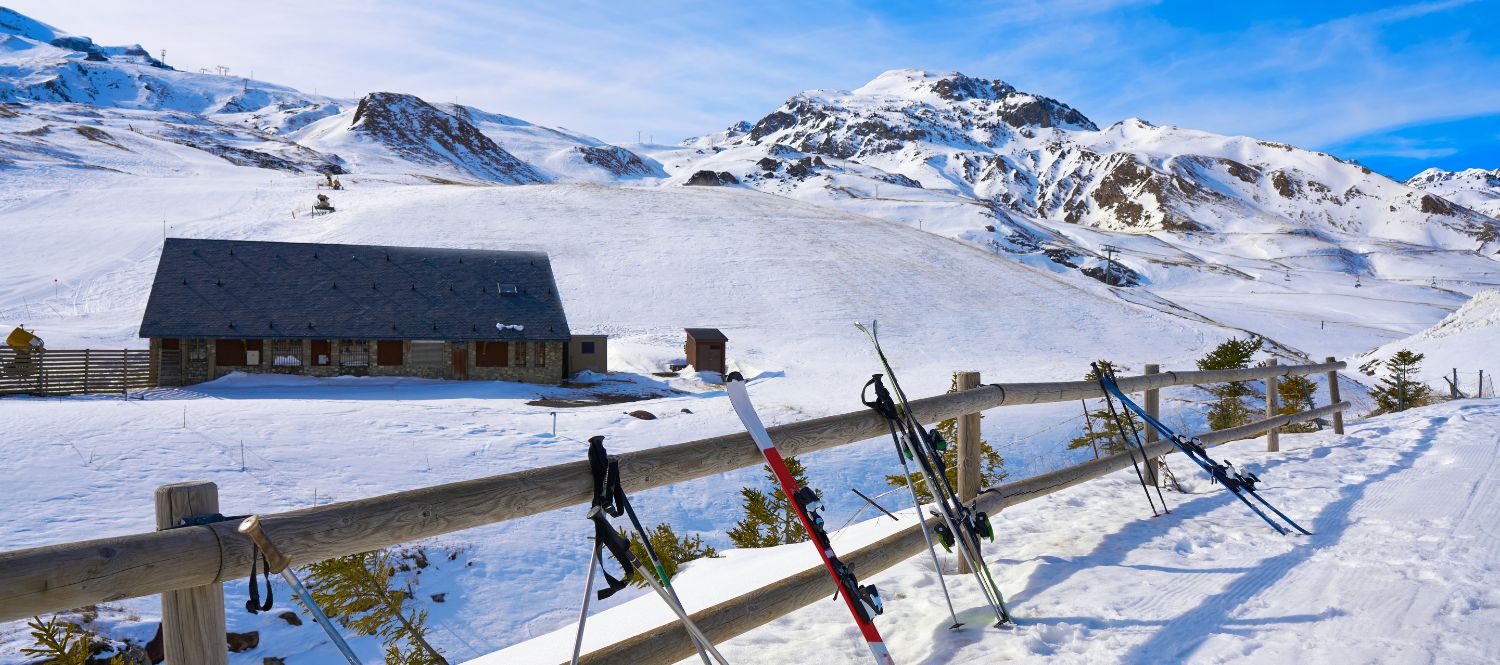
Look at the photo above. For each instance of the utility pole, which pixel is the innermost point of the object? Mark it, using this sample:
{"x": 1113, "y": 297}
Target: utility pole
{"x": 1109, "y": 258}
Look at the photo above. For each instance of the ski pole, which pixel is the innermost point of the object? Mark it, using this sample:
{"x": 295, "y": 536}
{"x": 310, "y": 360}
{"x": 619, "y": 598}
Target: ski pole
{"x": 583, "y": 613}
{"x": 281, "y": 563}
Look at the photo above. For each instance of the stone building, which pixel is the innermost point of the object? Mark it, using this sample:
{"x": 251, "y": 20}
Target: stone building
{"x": 222, "y": 306}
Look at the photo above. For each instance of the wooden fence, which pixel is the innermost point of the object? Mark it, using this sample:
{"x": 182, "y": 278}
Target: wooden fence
{"x": 187, "y": 565}
{"x": 25, "y": 371}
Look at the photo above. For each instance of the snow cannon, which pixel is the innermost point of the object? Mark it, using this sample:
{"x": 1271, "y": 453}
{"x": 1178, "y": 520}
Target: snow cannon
{"x": 23, "y": 339}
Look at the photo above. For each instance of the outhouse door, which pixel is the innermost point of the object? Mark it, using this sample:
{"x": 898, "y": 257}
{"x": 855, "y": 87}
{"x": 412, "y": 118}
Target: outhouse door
{"x": 710, "y": 356}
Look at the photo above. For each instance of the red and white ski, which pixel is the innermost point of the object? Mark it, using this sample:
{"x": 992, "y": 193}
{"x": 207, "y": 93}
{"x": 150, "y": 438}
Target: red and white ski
{"x": 863, "y": 601}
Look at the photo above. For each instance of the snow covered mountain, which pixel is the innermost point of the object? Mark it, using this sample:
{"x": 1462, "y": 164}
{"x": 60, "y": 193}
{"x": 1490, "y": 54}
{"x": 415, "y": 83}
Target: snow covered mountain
{"x": 52, "y": 83}
{"x": 1031, "y": 157}
{"x": 1473, "y": 188}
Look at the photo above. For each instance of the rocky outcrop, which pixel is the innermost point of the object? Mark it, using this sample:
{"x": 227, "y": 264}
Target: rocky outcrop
{"x": 415, "y": 131}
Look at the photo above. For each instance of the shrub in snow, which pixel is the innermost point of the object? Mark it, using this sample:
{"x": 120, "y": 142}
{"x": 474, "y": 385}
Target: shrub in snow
{"x": 769, "y": 518}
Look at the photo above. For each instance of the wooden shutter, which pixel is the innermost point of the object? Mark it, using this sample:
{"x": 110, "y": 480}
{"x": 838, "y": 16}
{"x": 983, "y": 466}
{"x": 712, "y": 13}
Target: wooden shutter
{"x": 322, "y": 352}
{"x": 388, "y": 352}
{"x": 492, "y": 354}
{"x": 229, "y": 353}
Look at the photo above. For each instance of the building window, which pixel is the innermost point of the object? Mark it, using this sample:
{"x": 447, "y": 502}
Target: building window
{"x": 354, "y": 353}
{"x": 197, "y": 350}
{"x": 390, "y": 352}
{"x": 237, "y": 352}
{"x": 322, "y": 353}
{"x": 588, "y": 348}
{"x": 521, "y": 351}
{"x": 491, "y": 354}
{"x": 428, "y": 353}
{"x": 541, "y": 354}
{"x": 286, "y": 352}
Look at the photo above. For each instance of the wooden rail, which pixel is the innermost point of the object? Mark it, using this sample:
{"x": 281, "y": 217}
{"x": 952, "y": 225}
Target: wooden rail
{"x": 73, "y": 372}
{"x": 69, "y": 575}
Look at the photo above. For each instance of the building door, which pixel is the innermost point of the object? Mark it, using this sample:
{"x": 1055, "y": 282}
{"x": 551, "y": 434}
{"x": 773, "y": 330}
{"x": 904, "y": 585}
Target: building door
{"x": 460, "y": 363}
{"x": 710, "y": 357}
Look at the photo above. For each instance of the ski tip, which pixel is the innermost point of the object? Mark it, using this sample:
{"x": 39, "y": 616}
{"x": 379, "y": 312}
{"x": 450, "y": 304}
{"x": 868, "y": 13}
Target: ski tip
{"x": 734, "y": 376}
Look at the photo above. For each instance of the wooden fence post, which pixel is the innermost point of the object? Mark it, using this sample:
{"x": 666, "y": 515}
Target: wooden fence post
{"x": 192, "y": 619}
{"x": 1333, "y": 398}
{"x": 1153, "y": 407}
{"x": 1273, "y": 437}
{"x": 969, "y": 457}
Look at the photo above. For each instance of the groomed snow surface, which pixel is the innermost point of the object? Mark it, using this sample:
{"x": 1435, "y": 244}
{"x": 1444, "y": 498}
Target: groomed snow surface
{"x": 1403, "y": 567}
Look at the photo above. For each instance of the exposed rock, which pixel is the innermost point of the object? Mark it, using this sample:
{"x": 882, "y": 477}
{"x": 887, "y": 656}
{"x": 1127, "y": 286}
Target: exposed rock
{"x": 290, "y": 617}
{"x": 616, "y": 160}
{"x": 439, "y": 597}
{"x": 643, "y": 415}
{"x": 273, "y": 660}
{"x": 1433, "y": 205}
{"x": 712, "y": 179}
{"x": 419, "y": 132}
{"x": 240, "y": 642}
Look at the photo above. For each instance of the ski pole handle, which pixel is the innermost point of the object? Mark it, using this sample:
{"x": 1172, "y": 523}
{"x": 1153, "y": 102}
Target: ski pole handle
{"x": 250, "y": 527}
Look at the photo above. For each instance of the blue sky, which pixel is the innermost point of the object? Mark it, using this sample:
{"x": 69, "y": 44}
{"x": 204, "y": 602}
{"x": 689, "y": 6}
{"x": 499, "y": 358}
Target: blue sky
{"x": 1398, "y": 86}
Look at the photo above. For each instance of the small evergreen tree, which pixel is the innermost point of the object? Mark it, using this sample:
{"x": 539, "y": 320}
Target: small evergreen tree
{"x": 770, "y": 519}
{"x": 1228, "y": 409}
{"x": 1296, "y": 394}
{"x": 1401, "y": 390}
{"x": 1102, "y": 432}
{"x": 991, "y": 464}
{"x": 357, "y": 589}
{"x": 62, "y": 643}
{"x": 674, "y": 551}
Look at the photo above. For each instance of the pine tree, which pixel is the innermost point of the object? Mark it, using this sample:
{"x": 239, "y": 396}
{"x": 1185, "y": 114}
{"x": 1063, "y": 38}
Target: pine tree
{"x": 1228, "y": 409}
{"x": 674, "y": 551}
{"x": 1102, "y": 432}
{"x": 991, "y": 464}
{"x": 1401, "y": 390}
{"x": 1296, "y": 395}
{"x": 357, "y": 589}
{"x": 62, "y": 643}
{"x": 770, "y": 519}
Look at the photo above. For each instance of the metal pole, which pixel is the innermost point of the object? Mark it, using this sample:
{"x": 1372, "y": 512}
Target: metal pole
{"x": 282, "y": 564}
{"x": 1153, "y": 407}
{"x": 583, "y": 612}
{"x": 1273, "y": 437}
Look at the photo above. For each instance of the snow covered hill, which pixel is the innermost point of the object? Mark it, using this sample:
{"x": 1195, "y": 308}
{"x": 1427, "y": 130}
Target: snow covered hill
{"x": 1473, "y": 188}
{"x": 1468, "y": 340}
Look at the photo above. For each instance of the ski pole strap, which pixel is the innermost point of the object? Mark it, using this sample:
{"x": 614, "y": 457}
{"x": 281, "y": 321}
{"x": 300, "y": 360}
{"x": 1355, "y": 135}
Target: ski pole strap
{"x": 882, "y": 404}
{"x": 607, "y": 537}
{"x": 608, "y": 494}
{"x": 254, "y": 605}
{"x": 609, "y": 501}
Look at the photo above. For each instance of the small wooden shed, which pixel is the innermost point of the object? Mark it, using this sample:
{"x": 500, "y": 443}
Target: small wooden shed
{"x": 705, "y": 349}
{"x": 587, "y": 352}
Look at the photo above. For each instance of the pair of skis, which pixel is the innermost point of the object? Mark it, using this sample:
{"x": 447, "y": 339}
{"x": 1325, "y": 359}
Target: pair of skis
{"x": 863, "y": 600}
{"x": 610, "y": 501}
{"x": 1241, "y": 485}
{"x": 962, "y": 525}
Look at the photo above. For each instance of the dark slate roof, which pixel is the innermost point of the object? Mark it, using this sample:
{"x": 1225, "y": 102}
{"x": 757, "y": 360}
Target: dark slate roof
{"x": 707, "y": 335}
{"x": 282, "y": 290}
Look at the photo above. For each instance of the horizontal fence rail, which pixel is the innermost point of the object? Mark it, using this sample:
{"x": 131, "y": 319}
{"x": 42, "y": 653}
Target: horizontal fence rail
{"x": 25, "y": 371}
{"x": 670, "y": 642}
{"x": 69, "y": 575}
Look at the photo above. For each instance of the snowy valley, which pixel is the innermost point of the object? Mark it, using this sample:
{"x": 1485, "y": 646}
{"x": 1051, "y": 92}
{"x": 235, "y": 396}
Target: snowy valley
{"x": 985, "y": 227}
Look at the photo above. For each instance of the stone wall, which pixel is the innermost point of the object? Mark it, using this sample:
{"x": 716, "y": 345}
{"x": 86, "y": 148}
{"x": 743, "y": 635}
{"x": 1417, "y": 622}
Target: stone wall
{"x": 527, "y": 370}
